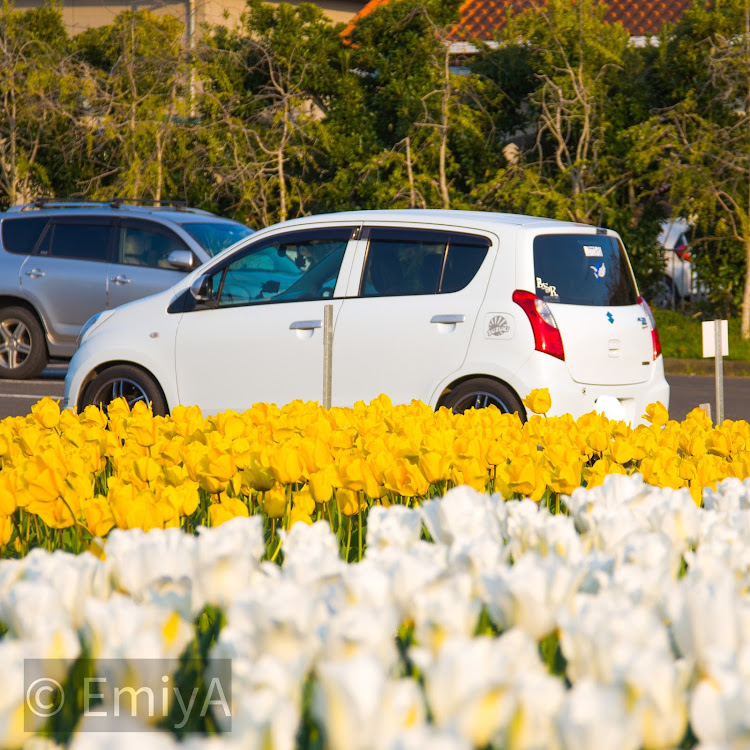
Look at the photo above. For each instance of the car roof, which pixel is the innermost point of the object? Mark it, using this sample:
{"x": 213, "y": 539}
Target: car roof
{"x": 468, "y": 219}
{"x": 171, "y": 212}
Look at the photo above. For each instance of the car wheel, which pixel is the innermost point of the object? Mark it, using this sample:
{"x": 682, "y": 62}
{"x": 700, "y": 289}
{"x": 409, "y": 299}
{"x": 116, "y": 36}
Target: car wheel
{"x": 482, "y": 392}
{"x": 23, "y": 349}
{"x": 667, "y": 296}
{"x": 128, "y": 382}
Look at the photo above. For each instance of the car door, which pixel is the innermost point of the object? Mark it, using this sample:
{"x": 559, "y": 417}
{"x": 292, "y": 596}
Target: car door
{"x": 66, "y": 278}
{"x": 141, "y": 266}
{"x": 408, "y": 316}
{"x": 259, "y": 335}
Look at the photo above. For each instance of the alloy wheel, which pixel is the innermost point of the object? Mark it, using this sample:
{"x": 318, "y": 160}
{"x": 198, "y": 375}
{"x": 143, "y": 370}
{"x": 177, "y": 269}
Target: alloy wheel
{"x": 15, "y": 343}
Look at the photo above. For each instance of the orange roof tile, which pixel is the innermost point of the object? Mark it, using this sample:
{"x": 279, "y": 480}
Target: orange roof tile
{"x": 482, "y": 19}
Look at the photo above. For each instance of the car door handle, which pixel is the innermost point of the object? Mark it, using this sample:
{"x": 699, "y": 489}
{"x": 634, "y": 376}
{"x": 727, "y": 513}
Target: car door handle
{"x": 35, "y": 273}
{"x": 447, "y": 319}
{"x": 121, "y": 279}
{"x": 305, "y": 325}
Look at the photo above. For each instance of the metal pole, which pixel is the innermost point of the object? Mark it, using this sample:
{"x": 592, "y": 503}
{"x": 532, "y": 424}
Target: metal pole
{"x": 719, "y": 360}
{"x": 327, "y": 355}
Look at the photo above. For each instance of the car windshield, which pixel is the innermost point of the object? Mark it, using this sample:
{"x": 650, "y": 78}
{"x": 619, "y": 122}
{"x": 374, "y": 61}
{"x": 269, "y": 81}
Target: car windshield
{"x": 578, "y": 269}
{"x": 216, "y": 236}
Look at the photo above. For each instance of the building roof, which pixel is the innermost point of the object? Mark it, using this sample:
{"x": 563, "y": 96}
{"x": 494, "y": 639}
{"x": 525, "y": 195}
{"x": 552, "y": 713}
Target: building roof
{"x": 482, "y": 19}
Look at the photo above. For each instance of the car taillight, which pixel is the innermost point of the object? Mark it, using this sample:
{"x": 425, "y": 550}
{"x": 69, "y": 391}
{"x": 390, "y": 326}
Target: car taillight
{"x": 655, "y": 340}
{"x": 546, "y": 333}
{"x": 683, "y": 253}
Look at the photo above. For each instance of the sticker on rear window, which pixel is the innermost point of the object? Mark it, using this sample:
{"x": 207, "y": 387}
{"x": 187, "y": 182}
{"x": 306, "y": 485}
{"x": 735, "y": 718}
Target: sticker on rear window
{"x": 546, "y": 288}
{"x": 593, "y": 251}
{"x": 600, "y": 270}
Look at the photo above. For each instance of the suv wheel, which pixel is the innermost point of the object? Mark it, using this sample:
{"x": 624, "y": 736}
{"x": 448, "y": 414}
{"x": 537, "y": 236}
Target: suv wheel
{"x": 23, "y": 350}
{"x": 482, "y": 392}
{"x": 125, "y": 381}
{"x": 667, "y": 295}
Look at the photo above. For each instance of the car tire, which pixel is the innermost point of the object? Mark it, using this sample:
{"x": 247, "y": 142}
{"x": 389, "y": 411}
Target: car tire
{"x": 667, "y": 297}
{"x": 23, "y": 348}
{"x": 479, "y": 393}
{"x": 128, "y": 382}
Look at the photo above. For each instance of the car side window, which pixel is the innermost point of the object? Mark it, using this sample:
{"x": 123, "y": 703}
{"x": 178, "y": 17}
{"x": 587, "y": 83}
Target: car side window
{"x": 291, "y": 267}
{"x": 21, "y": 235}
{"x": 84, "y": 240}
{"x": 150, "y": 247}
{"x": 417, "y": 262}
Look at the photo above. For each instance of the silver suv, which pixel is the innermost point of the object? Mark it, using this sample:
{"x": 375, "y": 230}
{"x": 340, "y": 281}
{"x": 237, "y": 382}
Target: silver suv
{"x": 62, "y": 261}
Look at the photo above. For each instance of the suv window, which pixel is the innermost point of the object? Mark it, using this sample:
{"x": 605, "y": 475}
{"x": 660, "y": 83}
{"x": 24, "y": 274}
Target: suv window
{"x": 290, "y": 267}
{"x": 148, "y": 245}
{"x": 575, "y": 269}
{"x": 82, "y": 240}
{"x": 415, "y": 261}
{"x": 216, "y": 236}
{"x": 21, "y": 235}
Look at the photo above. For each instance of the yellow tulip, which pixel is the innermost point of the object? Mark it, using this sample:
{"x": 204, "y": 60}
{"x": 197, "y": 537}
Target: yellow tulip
{"x": 349, "y": 502}
{"x": 46, "y": 413}
{"x": 538, "y": 401}
{"x": 321, "y": 484}
{"x": 6, "y": 530}
{"x": 656, "y": 414}
{"x": 275, "y": 502}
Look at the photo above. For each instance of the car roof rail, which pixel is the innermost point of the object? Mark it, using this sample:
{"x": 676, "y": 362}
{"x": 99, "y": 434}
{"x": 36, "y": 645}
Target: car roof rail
{"x": 48, "y": 202}
{"x": 119, "y": 202}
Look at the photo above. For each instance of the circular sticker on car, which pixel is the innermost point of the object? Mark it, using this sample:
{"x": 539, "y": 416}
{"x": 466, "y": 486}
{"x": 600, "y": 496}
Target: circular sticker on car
{"x": 499, "y": 326}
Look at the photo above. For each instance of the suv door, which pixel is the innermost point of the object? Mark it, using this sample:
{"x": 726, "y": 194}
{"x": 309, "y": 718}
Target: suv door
{"x": 259, "y": 336}
{"x": 407, "y": 322}
{"x": 141, "y": 266}
{"x": 66, "y": 278}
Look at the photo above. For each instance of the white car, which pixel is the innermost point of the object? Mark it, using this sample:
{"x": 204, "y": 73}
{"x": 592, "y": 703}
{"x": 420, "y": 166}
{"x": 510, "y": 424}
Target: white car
{"x": 456, "y": 308}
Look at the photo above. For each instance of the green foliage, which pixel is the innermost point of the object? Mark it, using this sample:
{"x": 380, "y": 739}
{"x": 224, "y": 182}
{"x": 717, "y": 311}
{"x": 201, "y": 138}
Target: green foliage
{"x": 681, "y": 335}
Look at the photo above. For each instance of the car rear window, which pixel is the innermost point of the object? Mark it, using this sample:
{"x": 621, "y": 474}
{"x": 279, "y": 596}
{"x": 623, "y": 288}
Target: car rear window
{"x": 583, "y": 269}
{"x": 21, "y": 235}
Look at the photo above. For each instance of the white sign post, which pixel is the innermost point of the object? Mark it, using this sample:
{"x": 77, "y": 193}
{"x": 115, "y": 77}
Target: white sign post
{"x": 716, "y": 344}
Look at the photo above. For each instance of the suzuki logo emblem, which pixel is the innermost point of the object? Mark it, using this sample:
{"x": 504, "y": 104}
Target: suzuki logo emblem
{"x": 610, "y": 317}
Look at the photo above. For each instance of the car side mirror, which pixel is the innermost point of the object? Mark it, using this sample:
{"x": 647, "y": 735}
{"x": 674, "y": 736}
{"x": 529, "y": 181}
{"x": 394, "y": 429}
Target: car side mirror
{"x": 182, "y": 259}
{"x": 202, "y": 288}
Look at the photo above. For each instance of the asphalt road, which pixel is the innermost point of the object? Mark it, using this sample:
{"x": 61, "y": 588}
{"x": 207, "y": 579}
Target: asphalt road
{"x": 17, "y": 396}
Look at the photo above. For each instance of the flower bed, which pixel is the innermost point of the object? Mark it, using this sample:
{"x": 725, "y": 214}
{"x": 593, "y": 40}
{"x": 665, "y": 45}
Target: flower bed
{"x": 68, "y": 479}
{"x": 623, "y": 624}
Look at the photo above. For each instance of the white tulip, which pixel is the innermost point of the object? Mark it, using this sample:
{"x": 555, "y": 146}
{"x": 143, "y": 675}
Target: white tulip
{"x": 600, "y": 636}
{"x": 396, "y": 526}
{"x": 594, "y": 716}
{"x": 155, "y": 566}
{"x": 706, "y": 618}
{"x": 471, "y": 685}
{"x": 530, "y": 593}
{"x": 461, "y": 514}
{"x": 311, "y": 552}
{"x": 346, "y": 701}
{"x": 120, "y": 733}
{"x": 358, "y": 630}
{"x": 730, "y": 494}
{"x": 657, "y": 690}
{"x": 445, "y": 609}
{"x": 227, "y": 559}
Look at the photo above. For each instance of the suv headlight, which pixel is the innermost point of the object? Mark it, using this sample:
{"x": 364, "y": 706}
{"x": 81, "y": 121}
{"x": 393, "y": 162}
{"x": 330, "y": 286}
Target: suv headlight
{"x": 93, "y": 322}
